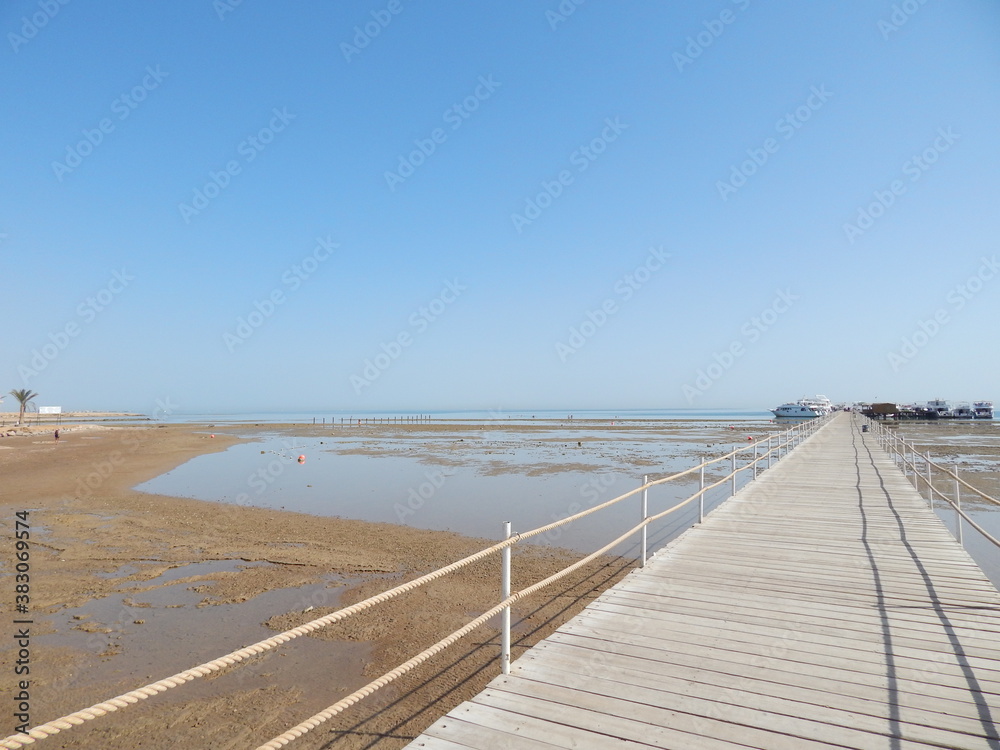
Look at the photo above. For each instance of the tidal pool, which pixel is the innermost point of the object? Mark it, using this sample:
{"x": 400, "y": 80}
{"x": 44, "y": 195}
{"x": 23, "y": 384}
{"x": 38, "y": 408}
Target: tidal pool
{"x": 469, "y": 485}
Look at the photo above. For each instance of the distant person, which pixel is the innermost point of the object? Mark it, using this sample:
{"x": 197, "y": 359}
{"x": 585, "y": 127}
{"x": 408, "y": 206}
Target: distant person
{"x": 57, "y": 436}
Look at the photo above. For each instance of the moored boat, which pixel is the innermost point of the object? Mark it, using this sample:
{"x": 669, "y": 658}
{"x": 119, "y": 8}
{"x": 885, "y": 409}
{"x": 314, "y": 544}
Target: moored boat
{"x": 983, "y": 409}
{"x": 804, "y": 408}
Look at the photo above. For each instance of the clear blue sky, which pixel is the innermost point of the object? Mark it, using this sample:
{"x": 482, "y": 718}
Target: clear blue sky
{"x": 492, "y": 176}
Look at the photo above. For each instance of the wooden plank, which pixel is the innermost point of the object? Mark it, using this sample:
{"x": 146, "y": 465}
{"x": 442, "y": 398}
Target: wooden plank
{"x": 867, "y": 709}
{"x": 629, "y": 721}
{"x": 925, "y": 624}
{"x": 522, "y": 729}
{"x": 784, "y": 637}
{"x": 462, "y": 733}
{"x": 928, "y": 695}
{"x": 691, "y": 713}
{"x": 928, "y": 680}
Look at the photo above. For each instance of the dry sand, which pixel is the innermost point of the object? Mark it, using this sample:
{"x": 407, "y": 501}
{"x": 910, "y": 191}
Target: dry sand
{"x": 107, "y": 552}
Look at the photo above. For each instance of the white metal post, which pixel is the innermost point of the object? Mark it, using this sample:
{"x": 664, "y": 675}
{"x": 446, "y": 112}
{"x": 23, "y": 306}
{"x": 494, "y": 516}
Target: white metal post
{"x": 504, "y": 594}
{"x": 770, "y": 455}
{"x": 734, "y": 470}
{"x": 930, "y": 486}
{"x": 755, "y": 459}
{"x": 701, "y": 497}
{"x": 645, "y": 513}
{"x": 958, "y": 507}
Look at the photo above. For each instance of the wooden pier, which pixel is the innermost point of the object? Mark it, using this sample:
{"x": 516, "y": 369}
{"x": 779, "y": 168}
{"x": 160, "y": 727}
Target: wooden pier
{"x": 825, "y": 606}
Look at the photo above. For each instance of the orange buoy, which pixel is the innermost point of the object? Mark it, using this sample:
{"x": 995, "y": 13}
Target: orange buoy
{"x": 302, "y": 459}
{"x": 212, "y": 436}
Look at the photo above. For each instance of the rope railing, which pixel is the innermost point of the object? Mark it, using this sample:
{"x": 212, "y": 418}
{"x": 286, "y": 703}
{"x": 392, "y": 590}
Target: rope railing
{"x": 779, "y": 445}
{"x": 328, "y": 713}
{"x": 907, "y": 452}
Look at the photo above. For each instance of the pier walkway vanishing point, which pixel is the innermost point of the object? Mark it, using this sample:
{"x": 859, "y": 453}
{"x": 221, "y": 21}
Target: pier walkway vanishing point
{"x": 825, "y": 605}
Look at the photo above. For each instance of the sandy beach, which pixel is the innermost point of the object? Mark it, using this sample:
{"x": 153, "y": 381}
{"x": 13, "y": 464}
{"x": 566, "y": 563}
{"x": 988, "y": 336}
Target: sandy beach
{"x": 106, "y": 553}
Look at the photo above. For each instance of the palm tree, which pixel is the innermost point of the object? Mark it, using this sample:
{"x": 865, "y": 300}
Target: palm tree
{"x": 24, "y": 396}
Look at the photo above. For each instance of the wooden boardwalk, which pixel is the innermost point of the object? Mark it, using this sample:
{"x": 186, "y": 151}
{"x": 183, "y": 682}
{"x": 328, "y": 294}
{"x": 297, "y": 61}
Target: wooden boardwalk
{"x": 825, "y": 606}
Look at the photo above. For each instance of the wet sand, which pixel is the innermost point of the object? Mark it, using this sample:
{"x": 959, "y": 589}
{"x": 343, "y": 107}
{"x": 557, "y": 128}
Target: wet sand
{"x": 123, "y": 592}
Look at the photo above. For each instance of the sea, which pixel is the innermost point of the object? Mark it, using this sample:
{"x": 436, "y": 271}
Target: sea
{"x": 481, "y": 415}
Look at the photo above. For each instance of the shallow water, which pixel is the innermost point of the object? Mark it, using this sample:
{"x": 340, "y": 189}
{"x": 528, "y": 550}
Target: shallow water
{"x": 163, "y": 630}
{"x": 476, "y": 415}
{"x": 469, "y": 485}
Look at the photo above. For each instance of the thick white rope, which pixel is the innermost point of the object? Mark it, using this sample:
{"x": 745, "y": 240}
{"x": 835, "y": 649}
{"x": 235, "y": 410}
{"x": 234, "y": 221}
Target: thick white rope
{"x": 331, "y": 711}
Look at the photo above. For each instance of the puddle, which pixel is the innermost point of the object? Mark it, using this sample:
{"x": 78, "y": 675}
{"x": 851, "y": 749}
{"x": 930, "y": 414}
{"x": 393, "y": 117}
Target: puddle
{"x": 172, "y": 634}
{"x": 123, "y": 572}
{"x": 190, "y": 570}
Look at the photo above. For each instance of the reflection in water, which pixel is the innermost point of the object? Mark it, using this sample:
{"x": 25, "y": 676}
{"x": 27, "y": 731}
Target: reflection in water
{"x": 160, "y": 629}
{"x": 469, "y": 484}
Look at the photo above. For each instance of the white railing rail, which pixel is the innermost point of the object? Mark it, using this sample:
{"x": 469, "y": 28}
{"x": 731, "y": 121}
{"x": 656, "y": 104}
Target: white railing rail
{"x": 778, "y": 445}
{"x": 919, "y": 469}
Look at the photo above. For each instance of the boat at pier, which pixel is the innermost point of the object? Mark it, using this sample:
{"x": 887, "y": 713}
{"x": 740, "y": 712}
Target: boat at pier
{"x": 804, "y": 408}
{"x": 982, "y": 409}
{"x": 932, "y": 410}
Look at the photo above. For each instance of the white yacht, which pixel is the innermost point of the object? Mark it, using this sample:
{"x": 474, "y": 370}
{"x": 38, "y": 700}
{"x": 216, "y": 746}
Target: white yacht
{"x": 796, "y": 409}
{"x": 819, "y": 404}
{"x": 940, "y": 407}
{"x": 805, "y": 408}
{"x": 962, "y": 411}
{"x": 983, "y": 409}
